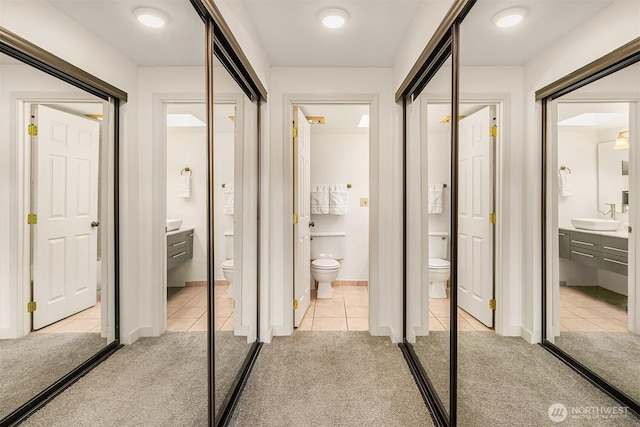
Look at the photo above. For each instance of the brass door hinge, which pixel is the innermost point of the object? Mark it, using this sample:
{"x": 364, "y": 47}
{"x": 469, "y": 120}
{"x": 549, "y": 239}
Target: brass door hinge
{"x": 493, "y": 218}
{"x": 492, "y": 304}
{"x": 493, "y": 131}
{"x": 295, "y": 304}
{"x": 295, "y": 218}
{"x": 294, "y": 132}
{"x": 32, "y": 130}
{"x": 31, "y": 306}
{"x": 32, "y": 219}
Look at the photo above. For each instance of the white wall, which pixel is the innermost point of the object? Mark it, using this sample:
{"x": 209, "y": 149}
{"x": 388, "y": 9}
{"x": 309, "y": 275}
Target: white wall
{"x": 304, "y": 84}
{"x": 439, "y": 172}
{"x": 588, "y": 42}
{"x": 187, "y": 147}
{"x": 578, "y": 150}
{"x": 344, "y": 159}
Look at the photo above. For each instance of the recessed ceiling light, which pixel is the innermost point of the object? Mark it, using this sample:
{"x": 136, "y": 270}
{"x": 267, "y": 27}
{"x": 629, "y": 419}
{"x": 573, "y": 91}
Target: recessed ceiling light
{"x": 333, "y": 18}
{"x": 509, "y": 17}
{"x": 151, "y": 17}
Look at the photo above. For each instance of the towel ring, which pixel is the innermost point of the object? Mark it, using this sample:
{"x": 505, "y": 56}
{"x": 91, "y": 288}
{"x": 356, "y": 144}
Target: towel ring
{"x": 564, "y": 168}
{"x": 187, "y": 169}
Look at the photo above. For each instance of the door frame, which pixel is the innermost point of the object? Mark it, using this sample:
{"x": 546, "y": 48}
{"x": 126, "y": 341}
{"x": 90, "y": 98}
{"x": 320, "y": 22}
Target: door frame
{"x": 23, "y": 162}
{"x": 289, "y": 101}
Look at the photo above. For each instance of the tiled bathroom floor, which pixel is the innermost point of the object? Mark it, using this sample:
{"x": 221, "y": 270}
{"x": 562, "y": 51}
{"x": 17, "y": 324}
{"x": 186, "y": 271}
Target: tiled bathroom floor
{"x": 348, "y": 310}
{"x": 439, "y": 316}
{"x": 85, "y": 321}
{"x": 582, "y": 313}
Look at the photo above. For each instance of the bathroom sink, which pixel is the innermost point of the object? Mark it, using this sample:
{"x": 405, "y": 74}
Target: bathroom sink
{"x": 173, "y": 224}
{"x": 596, "y": 224}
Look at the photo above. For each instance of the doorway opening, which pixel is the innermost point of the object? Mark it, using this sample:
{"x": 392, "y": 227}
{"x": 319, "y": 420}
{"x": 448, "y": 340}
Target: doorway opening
{"x": 476, "y": 219}
{"x": 64, "y": 197}
{"x": 331, "y": 216}
{"x": 186, "y": 228}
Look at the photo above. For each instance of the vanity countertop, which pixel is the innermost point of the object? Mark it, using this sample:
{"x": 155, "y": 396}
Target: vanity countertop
{"x": 179, "y": 230}
{"x": 620, "y": 233}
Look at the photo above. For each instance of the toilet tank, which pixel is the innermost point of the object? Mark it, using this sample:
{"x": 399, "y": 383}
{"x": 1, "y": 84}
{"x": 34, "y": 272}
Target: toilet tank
{"x": 228, "y": 245}
{"x": 439, "y": 244}
{"x": 328, "y": 245}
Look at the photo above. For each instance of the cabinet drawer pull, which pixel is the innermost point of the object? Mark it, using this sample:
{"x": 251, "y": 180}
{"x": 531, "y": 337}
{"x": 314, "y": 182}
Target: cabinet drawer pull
{"x": 582, "y": 243}
{"x": 615, "y": 262}
{"x": 561, "y": 234}
{"x": 616, "y": 249}
{"x": 583, "y": 254}
{"x": 178, "y": 244}
{"x": 178, "y": 255}
{"x": 190, "y": 235}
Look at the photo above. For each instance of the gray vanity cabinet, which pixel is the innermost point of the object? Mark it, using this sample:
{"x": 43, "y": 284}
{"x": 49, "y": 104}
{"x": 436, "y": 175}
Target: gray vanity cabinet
{"x": 179, "y": 247}
{"x": 595, "y": 250}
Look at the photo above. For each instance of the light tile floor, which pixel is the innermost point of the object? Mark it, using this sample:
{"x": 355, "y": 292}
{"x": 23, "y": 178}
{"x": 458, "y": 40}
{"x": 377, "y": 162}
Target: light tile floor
{"x": 88, "y": 320}
{"x": 348, "y": 310}
{"x": 439, "y": 316}
{"x": 583, "y": 313}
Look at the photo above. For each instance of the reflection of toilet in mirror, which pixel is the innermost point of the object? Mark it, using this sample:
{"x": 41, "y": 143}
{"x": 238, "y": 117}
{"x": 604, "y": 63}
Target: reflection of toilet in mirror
{"x": 327, "y": 250}
{"x": 438, "y": 264}
{"x": 227, "y": 265}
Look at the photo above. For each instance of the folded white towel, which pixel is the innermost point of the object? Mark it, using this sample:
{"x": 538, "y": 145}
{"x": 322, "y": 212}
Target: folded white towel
{"x": 435, "y": 199}
{"x": 319, "y": 199}
{"x": 338, "y": 199}
{"x": 565, "y": 184}
{"x": 185, "y": 186}
{"x": 229, "y": 201}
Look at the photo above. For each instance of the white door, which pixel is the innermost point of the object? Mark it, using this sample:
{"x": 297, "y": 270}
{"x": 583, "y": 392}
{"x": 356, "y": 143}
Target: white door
{"x": 475, "y": 233}
{"x": 302, "y": 208}
{"x": 66, "y": 202}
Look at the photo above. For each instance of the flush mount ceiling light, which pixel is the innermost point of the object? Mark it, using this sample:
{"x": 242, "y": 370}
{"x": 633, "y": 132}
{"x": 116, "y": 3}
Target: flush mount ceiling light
{"x": 509, "y": 17}
{"x": 333, "y": 18}
{"x": 151, "y": 17}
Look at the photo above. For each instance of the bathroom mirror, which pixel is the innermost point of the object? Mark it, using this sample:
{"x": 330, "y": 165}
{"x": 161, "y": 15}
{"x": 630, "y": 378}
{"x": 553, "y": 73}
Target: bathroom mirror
{"x": 429, "y": 181}
{"x": 592, "y": 303}
{"x": 56, "y": 146}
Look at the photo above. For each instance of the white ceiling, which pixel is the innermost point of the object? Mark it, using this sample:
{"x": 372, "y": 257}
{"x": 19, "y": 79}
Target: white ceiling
{"x": 291, "y": 34}
{"x": 339, "y": 118}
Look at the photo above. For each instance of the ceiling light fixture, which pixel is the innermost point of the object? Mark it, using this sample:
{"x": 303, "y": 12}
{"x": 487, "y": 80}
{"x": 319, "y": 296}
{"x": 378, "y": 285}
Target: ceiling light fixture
{"x": 509, "y": 17}
{"x": 622, "y": 141}
{"x": 151, "y": 17}
{"x": 333, "y": 18}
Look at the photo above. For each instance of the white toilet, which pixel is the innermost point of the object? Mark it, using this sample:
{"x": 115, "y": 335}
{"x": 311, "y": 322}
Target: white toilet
{"x": 227, "y": 265}
{"x": 438, "y": 264}
{"x": 327, "y": 250}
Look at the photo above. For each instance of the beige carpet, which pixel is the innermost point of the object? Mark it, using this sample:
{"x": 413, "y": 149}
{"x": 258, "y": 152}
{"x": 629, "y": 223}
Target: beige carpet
{"x": 30, "y": 364}
{"x": 331, "y": 379}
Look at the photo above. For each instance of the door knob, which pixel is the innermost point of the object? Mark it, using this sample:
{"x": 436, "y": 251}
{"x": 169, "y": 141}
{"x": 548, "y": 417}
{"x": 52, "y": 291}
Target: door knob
{"x": 95, "y": 224}
{"x": 311, "y": 224}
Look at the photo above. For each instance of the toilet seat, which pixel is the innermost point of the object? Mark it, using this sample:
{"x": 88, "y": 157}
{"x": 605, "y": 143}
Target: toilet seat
{"x": 438, "y": 264}
{"x": 227, "y": 263}
{"x": 325, "y": 264}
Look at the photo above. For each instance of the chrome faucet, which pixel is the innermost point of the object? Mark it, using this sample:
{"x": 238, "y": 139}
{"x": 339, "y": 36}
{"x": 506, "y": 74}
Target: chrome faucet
{"x": 611, "y": 211}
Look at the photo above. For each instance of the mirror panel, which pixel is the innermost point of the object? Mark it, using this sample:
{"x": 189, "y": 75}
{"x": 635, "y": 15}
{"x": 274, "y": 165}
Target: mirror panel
{"x": 428, "y": 157}
{"x": 592, "y": 293}
{"x": 61, "y": 173}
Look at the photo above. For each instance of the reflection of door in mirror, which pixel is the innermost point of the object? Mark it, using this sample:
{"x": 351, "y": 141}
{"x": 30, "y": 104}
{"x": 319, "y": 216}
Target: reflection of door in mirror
{"x": 593, "y": 275}
{"x": 53, "y": 306}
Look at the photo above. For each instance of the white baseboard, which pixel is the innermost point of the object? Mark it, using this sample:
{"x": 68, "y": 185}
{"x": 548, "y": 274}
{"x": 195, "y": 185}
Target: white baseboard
{"x": 528, "y": 336}
{"x": 131, "y": 337}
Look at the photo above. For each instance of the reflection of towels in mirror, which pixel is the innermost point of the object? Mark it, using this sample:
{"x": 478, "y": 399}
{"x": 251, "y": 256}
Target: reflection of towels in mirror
{"x": 565, "y": 184}
{"x": 319, "y": 199}
{"x": 338, "y": 199}
{"x": 228, "y": 199}
{"x": 185, "y": 186}
{"x": 435, "y": 198}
